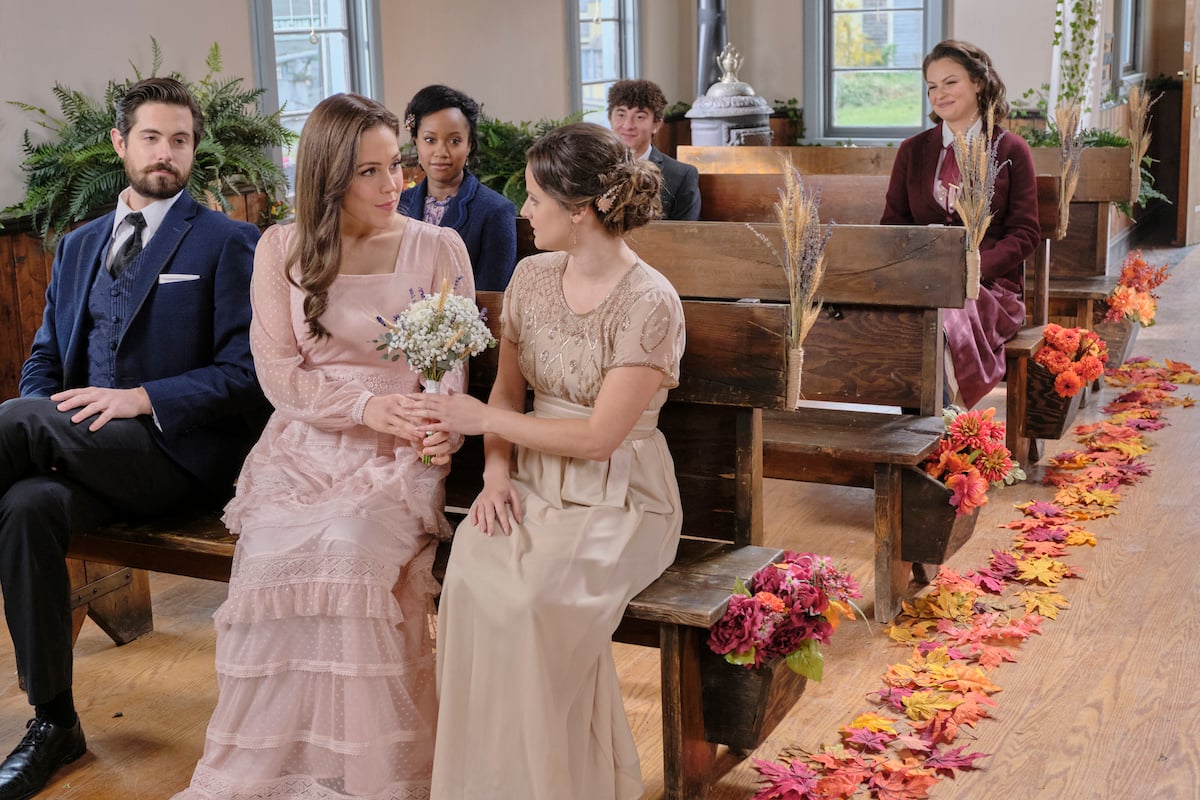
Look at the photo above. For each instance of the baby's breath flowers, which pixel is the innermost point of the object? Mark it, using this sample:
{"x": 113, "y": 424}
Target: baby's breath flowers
{"x": 436, "y": 333}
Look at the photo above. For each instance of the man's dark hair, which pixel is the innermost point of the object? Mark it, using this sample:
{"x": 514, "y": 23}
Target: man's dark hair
{"x": 637, "y": 93}
{"x": 157, "y": 90}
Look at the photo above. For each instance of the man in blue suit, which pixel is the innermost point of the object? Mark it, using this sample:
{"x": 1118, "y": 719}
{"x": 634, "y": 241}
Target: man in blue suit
{"x": 635, "y": 113}
{"x": 139, "y": 397}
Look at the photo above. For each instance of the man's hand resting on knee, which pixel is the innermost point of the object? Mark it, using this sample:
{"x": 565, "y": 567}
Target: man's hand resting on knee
{"x": 107, "y": 403}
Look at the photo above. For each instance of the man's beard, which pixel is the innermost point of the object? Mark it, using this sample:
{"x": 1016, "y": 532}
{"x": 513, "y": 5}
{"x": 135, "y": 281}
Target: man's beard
{"x": 160, "y": 187}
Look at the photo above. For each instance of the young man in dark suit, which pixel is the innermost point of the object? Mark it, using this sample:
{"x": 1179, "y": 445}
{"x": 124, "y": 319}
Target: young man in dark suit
{"x": 635, "y": 112}
{"x": 139, "y": 397}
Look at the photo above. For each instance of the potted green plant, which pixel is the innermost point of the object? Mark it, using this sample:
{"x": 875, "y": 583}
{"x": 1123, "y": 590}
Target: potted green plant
{"x": 787, "y": 122}
{"x": 76, "y": 173}
{"x": 500, "y": 160}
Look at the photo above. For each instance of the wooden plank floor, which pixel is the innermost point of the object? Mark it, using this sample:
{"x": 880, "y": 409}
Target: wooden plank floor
{"x": 1099, "y": 706}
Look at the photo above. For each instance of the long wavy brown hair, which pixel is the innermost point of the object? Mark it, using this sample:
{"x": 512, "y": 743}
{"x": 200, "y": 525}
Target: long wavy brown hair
{"x": 325, "y": 163}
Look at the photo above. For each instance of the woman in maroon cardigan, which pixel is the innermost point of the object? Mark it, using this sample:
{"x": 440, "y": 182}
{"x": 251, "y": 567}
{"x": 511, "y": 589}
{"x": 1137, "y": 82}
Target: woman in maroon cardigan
{"x": 962, "y": 84}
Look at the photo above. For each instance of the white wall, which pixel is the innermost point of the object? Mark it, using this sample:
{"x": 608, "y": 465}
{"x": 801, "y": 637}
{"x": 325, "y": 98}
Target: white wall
{"x": 1020, "y": 40}
{"x": 83, "y": 44}
{"x": 509, "y": 55}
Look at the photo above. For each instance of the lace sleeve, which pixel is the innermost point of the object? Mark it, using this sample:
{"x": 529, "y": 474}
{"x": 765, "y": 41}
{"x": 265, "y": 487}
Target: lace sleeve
{"x": 294, "y": 388}
{"x": 651, "y": 334}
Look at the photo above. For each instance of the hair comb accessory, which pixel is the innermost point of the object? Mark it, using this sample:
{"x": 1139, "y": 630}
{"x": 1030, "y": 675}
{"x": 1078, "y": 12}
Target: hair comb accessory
{"x": 409, "y": 121}
{"x": 604, "y": 203}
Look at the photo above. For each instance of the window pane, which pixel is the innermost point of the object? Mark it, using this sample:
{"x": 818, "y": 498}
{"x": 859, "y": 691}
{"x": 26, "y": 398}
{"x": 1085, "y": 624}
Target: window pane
{"x": 595, "y": 96}
{"x": 591, "y": 9}
{"x": 877, "y": 99}
{"x": 873, "y": 5}
{"x": 599, "y": 51}
{"x": 304, "y": 15}
{"x": 307, "y": 73}
{"x": 294, "y": 124}
{"x": 878, "y": 39}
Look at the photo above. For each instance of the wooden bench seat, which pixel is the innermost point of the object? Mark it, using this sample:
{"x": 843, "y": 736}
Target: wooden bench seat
{"x": 878, "y": 343}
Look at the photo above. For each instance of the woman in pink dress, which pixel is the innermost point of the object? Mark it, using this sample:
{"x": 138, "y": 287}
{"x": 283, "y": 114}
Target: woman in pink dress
{"x": 324, "y": 655}
{"x": 556, "y": 546}
{"x": 962, "y": 84}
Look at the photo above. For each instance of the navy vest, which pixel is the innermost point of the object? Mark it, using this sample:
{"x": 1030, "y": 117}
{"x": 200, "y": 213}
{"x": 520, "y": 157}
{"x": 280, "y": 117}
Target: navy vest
{"x": 109, "y": 307}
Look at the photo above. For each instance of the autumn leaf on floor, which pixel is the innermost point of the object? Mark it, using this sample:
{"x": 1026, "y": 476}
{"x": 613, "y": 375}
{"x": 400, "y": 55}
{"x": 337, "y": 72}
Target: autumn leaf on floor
{"x": 947, "y": 761}
{"x": 870, "y": 741}
{"x": 1044, "y": 602}
{"x": 793, "y": 780}
{"x": 926, "y": 703}
{"x": 910, "y": 630}
{"x": 1040, "y": 569}
{"x": 902, "y": 784}
{"x": 991, "y": 657}
{"x": 873, "y": 722}
{"x": 1079, "y": 537}
{"x": 1048, "y": 549}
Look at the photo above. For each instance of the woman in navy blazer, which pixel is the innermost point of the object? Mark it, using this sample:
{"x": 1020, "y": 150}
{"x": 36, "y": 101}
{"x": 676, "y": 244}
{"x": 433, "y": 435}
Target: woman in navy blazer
{"x": 962, "y": 85}
{"x": 442, "y": 122}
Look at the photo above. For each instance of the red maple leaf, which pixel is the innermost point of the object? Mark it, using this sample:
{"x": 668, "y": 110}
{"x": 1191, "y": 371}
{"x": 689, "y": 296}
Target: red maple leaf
{"x": 947, "y": 761}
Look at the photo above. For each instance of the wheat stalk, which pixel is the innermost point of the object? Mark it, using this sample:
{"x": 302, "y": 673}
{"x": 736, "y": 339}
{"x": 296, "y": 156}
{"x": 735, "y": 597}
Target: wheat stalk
{"x": 977, "y": 167}
{"x": 1139, "y": 135}
{"x": 1070, "y": 146}
{"x": 803, "y": 257}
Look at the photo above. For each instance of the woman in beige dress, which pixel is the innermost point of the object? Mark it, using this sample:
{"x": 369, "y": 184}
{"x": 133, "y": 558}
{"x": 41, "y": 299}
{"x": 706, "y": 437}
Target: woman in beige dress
{"x": 556, "y": 546}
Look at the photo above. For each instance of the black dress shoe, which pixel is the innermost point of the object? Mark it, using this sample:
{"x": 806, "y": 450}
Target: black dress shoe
{"x": 45, "y": 748}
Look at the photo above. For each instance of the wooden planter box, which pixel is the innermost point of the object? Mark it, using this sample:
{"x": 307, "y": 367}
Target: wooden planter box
{"x": 931, "y": 530}
{"x": 1047, "y": 414}
{"x": 742, "y": 706}
{"x": 1119, "y": 336}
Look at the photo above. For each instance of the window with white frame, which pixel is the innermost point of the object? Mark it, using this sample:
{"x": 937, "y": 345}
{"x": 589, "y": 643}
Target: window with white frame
{"x": 309, "y": 49}
{"x": 1127, "y": 44}
{"x": 604, "y": 36}
{"x": 863, "y": 66}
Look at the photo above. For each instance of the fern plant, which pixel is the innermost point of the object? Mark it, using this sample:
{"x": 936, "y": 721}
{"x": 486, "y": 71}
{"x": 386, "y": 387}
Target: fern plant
{"x": 500, "y": 159}
{"x": 77, "y": 172}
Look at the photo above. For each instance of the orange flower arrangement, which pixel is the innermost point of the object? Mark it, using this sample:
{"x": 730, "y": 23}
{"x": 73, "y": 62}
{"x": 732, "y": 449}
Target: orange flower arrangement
{"x": 1134, "y": 296}
{"x": 971, "y": 458}
{"x": 1075, "y": 356}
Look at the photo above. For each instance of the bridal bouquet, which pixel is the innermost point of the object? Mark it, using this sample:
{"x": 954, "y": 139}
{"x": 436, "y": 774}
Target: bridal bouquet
{"x": 971, "y": 458}
{"x": 436, "y": 333}
{"x": 789, "y": 609}
{"x": 1075, "y": 356}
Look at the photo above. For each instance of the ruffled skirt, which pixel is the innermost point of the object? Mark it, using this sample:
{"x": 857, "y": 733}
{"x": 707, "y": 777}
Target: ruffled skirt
{"x": 324, "y": 650}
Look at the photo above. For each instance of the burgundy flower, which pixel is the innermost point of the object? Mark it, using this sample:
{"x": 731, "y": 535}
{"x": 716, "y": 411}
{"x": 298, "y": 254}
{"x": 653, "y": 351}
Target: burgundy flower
{"x": 738, "y": 629}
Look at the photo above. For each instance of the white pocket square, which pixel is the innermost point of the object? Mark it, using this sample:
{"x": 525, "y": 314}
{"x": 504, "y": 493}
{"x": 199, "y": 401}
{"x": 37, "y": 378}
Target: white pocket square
{"x": 176, "y": 277}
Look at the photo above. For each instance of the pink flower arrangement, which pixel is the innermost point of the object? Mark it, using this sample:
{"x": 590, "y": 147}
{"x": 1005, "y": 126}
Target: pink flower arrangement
{"x": 789, "y": 609}
{"x": 1134, "y": 296}
{"x": 971, "y": 458}
{"x": 1075, "y": 356}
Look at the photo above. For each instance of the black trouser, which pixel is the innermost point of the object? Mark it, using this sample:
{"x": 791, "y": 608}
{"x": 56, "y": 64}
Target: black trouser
{"x": 57, "y": 478}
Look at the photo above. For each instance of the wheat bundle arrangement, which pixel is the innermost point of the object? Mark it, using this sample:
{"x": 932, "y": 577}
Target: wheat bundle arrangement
{"x": 1070, "y": 147}
{"x": 803, "y": 261}
{"x": 977, "y": 166}
{"x": 1139, "y": 135}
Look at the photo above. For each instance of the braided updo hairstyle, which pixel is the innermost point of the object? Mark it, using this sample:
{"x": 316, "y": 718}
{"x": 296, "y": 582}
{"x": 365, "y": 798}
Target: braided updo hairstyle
{"x": 978, "y": 65}
{"x": 584, "y": 164}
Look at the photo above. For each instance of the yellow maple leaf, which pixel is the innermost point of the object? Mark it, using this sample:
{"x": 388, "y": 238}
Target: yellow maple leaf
{"x": 925, "y": 704}
{"x": 1045, "y": 603}
{"x": 1041, "y": 569}
{"x": 873, "y": 722}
